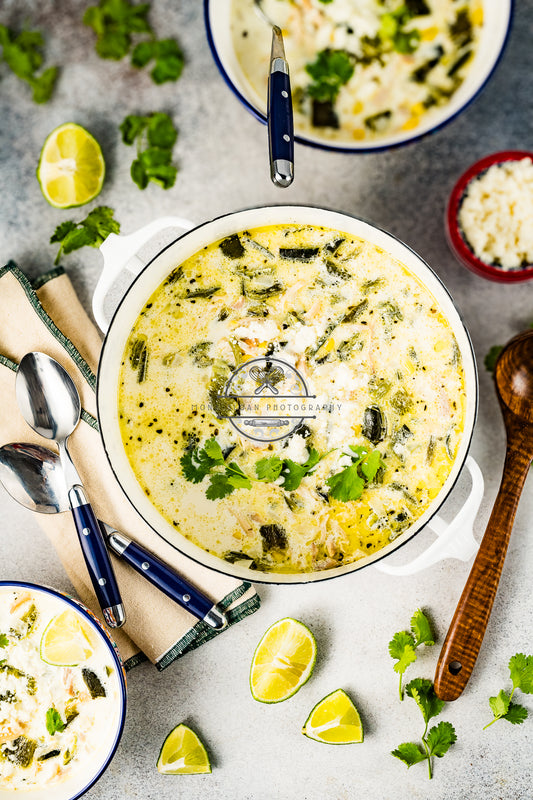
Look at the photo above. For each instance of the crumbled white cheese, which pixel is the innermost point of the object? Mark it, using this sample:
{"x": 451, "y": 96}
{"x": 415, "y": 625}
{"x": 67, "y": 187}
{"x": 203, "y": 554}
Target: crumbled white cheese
{"x": 263, "y": 329}
{"x": 496, "y": 214}
{"x": 346, "y": 380}
{"x": 296, "y": 449}
{"x": 301, "y": 337}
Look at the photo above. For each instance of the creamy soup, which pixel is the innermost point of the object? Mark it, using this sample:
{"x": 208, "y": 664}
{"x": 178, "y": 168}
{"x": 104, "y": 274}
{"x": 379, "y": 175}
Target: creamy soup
{"x": 54, "y": 720}
{"x": 361, "y": 69}
{"x": 292, "y": 398}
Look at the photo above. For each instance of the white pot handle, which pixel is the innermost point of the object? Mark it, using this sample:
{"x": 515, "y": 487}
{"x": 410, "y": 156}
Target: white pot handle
{"x": 454, "y": 539}
{"x": 120, "y": 255}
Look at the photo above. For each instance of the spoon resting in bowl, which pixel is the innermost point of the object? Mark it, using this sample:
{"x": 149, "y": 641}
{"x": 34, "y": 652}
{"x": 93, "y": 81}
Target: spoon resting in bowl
{"x": 513, "y": 376}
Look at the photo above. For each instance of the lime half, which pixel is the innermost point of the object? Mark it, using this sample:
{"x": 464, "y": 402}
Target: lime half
{"x": 334, "y": 720}
{"x": 183, "y": 754}
{"x": 67, "y": 641}
{"x": 71, "y": 167}
{"x": 283, "y": 661}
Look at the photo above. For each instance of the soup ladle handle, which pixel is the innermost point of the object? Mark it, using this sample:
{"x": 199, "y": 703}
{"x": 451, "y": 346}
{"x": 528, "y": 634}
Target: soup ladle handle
{"x": 467, "y": 629}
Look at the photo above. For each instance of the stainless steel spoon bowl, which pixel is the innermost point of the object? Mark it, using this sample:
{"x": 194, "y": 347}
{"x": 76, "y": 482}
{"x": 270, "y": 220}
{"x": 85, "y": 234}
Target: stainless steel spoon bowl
{"x": 33, "y": 476}
{"x": 50, "y": 404}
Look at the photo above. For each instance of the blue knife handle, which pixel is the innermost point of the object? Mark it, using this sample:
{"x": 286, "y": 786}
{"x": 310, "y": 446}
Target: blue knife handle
{"x": 280, "y": 128}
{"x": 164, "y": 578}
{"x": 98, "y": 563}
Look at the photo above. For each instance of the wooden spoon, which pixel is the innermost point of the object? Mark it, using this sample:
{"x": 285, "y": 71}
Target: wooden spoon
{"x": 513, "y": 377}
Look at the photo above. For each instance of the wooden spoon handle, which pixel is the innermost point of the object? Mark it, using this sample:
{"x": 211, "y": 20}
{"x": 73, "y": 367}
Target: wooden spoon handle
{"x": 465, "y": 634}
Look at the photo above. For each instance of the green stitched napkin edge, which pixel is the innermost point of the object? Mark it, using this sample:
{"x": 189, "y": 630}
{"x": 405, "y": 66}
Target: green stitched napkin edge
{"x": 201, "y": 632}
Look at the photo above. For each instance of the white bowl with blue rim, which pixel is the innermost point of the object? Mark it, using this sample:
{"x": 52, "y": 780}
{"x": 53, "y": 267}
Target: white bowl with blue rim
{"x": 494, "y": 34}
{"x": 86, "y": 773}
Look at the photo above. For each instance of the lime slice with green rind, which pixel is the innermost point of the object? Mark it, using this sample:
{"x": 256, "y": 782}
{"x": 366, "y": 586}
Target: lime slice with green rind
{"x": 334, "y": 720}
{"x": 71, "y": 167}
{"x": 183, "y": 753}
{"x": 67, "y": 640}
{"x": 283, "y": 661}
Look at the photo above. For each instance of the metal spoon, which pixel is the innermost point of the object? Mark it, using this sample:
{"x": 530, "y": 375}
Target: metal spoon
{"x": 513, "y": 377}
{"x": 33, "y": 476}
{"x": 50, "y": 404}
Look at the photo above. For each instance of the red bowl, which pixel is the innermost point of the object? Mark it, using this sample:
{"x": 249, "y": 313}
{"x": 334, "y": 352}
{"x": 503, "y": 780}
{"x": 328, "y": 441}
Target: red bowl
{"x": 456, "y": 240}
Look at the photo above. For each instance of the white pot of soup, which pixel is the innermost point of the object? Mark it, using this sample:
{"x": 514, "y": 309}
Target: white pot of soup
{"x": 286, "y": 393}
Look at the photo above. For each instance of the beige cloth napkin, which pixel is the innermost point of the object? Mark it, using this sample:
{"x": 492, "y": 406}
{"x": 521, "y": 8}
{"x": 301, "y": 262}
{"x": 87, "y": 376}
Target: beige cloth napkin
{"x": 49, "y": 317}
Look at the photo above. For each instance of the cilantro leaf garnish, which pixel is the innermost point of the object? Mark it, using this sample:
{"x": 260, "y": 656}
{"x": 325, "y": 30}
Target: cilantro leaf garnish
{"x": 223, "y": 483}
{"x": 439, "y": 739}
{"x": 155, "y": 135}
{"x": 502, "y": 707}
{"x": 167, "y": 55}
{"x": 292, "y": 473}
{"x": 410, "y": 753}
{"x": 4, "y": 641}
{"x": 521, "y": 671}
{"x": 330, "y": 71}
{"x": 116, "y": 22}
{"x": 403, "y": 645}
{"x": 269, "y": 469}
{"x": 91, "y": 231}
{"x": 54, "y": 723}
{"x": 22, "y": 54}
{"x": 199, "y": 462}
{"x": 423, "y": 693}
{"x": 349, "y": 483}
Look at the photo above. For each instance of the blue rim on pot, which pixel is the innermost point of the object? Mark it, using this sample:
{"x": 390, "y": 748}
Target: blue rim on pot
{"x": 103, "y": 635}
{"x": 486, "y": 59}
{"x": 155, "y": 272}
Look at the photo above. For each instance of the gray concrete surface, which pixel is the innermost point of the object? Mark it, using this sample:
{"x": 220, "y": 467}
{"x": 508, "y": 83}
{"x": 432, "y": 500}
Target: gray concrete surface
{"x": 258, "y": 751}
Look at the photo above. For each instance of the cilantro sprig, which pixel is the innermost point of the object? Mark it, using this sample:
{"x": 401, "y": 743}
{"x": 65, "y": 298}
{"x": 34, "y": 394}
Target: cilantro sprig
{"x": 155, "y": 136}
{"x": 403, "y": 645}
{"x": 198, "y": 462}
{"x": 270, "y": 469}
{"x": 502, "y": 706}
{"x": 201, "y": 461}
{"x": 350, "y": 482}
{"x": 54, "y": 723}
{"x": 4, "y": 641}
{"x": 91, "y": 231}
{"x": 117, "y": 22}
{"x": 435, "y": 742}
{"x": 22, "y": 54}
{"x": 330, "y": 71}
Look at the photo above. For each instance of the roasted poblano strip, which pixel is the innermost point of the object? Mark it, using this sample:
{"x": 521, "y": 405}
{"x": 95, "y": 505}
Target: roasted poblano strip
{"x": 93, "y": 683}
{"x": 232, "y": 247}
{"x": 374, "y": 426}
{"x": 200, "y": 354}
{"x": 298, "y": 253}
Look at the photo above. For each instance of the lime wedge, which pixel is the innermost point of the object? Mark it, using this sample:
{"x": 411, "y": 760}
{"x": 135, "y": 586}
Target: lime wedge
{"x": 283, "y": 661}
{"x": 334, "y": 720}
{"x": 183, "y": 753}
{"x": 71, "y": 167}
{"x": 67, "y": 641}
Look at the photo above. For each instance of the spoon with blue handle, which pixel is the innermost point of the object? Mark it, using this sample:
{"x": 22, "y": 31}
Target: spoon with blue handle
{"x": 50, "y": 404}
{"x": 280, "y": 122}
{"x": 32, "y": 475}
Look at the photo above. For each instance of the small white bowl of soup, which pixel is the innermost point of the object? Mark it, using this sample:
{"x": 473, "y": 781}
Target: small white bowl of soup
{"x": 365, "y": 76}
{"x": 62, "y": 694}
